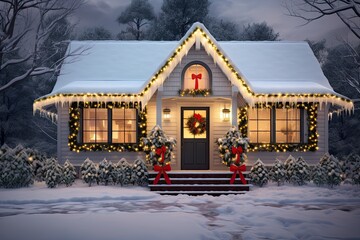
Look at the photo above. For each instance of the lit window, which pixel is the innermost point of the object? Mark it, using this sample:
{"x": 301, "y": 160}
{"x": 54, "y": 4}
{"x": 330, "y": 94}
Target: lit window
{"x": 196, "y": 77}
{"x": 287, "y": 125}
{"x": 95, "y": 125}
{"x": 124, "y": 125}
{"x": 259, "y": 125}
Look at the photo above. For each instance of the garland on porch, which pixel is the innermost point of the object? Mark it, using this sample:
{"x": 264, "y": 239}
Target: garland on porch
{"x": 75, "y": 143}
{"x": 312, "y": 141}
{"x": 196, "y": 124}
{"x": 195, "y": 92}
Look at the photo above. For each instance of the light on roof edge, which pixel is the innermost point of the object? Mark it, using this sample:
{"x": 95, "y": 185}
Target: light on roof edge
{"x": 219, "y": 58}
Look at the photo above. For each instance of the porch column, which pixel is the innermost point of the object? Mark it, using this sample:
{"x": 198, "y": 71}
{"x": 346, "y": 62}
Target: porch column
{"x": 159, "y": 106}
{"x": 234, "y": 106}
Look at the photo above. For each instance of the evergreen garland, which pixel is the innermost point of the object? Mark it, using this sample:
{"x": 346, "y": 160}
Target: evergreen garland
{"x": 277, "y": 172}
{"x": 69, "y": 173}
{"x": 54, "y": 173}
{"x": 259, "y": 174}
{"x": 88, "y": 172}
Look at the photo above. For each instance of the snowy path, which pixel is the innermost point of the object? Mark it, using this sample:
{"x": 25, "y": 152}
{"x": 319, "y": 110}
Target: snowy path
{"x": 112, "y": 212}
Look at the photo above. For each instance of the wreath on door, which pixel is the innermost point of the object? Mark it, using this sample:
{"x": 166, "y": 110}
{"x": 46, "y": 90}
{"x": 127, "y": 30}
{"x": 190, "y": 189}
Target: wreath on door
{"x": 196, "y": 124}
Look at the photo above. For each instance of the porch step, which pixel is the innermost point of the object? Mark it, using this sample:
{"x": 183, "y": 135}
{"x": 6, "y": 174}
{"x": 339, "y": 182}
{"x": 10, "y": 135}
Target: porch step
{"x": 213, "y": 183}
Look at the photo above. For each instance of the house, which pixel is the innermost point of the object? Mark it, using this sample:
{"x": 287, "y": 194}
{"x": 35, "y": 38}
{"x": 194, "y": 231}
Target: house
{"x": 115, "y": 93}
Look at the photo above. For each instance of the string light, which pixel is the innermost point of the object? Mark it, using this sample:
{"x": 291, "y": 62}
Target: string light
{"x": 312, "y": 143}
{"x": 195, "y": 92}
{"x": 74, "y": 126}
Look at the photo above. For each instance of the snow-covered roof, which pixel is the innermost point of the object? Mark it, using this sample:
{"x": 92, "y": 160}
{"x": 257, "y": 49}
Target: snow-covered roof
{"x": 279, "y": 71}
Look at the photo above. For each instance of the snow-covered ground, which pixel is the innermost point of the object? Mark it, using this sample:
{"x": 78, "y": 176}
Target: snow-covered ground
{"x": 114, "y": 212}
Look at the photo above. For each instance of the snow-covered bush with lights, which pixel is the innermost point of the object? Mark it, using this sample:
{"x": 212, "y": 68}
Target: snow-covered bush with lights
{"x": 140, "y": 173}
{"x": 158, "y": 147}
{"x": 69, "y": 173}
{"x": 259, "y": 174}
{"x": 54, "y": 173}
{"x": 232, "y": 147}
{"x": 117, "y": 173}
{"x": 126, "y": 170}
{"x": 332, "y": 168}
{"x": 300, "y": 172}
{"x": 277, "y": 172}
{"x": 105, "y": 172}
{"x": 88, "y": 172}
{"x": 319, "y": 175}
{"x": 289, "y": 162}
{"x": 15, "y": 169}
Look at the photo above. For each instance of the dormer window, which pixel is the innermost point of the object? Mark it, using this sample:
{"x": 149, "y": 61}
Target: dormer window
{"x": 196, "y": 77}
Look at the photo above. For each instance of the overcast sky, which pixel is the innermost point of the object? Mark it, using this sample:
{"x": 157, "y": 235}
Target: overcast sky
{"x": 104, "y": 13}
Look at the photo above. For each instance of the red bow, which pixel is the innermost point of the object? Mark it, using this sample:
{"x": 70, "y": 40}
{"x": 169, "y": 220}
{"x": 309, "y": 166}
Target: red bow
{"x": 162, "y": 170}
{"x": 197, "y": 116}
{"x": 236, "y": 169}
{"x": 196, "y": 77}
{"x": 161, "y": 151}
{"x": 237, "y": 151}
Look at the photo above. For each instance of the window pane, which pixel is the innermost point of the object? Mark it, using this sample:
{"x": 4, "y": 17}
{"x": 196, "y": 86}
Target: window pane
{"x": 264, "y": 137}
{"x": 202, "y": 77}
{"x": 101, "y": 125}
{"x": 118, "y": 137}
{"x": 293, "y": 113}
{"x": 263, "y": 125}
{"x": 89, "y": 125}
{"x": 203, "y": 135}
{"x": 89, "y": 137}
{"x": 101, "y": 136}
{"x": 280, "y": 113}
{"x": 264, "y": 113}
{"x": 294, "y": 125}
{"x": 252, "y": 113}
{"x": 187, "y": 133}
{"x": 101, "y": 113}
{"x": 281, "y": 126}
{"x": 253, "y": 137}
{"x": 281, "y": 137}
{"x": 130, "y": 125}
{"x": 293, "y": 137}
{"x": 118, "y": 125}
{"x": 188, "y": 113}
{"x": 130, "y": 137}
{"x": 89, "y": 113}
{"x": 130, "y": 113}
{"x": 118, "y": 113}
{"x": 252, "y": 124}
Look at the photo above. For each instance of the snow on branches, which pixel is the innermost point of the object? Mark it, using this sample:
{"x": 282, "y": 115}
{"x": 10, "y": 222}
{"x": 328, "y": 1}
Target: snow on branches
{"x": 259, "y": 174}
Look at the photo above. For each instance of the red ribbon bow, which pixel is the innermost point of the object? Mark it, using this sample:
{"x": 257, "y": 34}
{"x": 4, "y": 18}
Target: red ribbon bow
{"x": 161, "y": 151}
{"x": 237, "y": 169}
{"x": 162, "y": 170}
{"x": 196, "y": 77}
{"x": 197, "y": 116}
{"x": 238, "y": 151}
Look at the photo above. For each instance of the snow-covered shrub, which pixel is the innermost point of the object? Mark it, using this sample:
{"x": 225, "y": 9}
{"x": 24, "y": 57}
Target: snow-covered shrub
{"x": 258, "y": 174}
{"x": 349, "y": 164}
{"x": 277, "y": 172}
{"x": 318, "y": 175}
{"x": 69, "y": 173}
{"x": 16, "y": 170}
{"x": 38, "y": 161}
{"x": 54, "y": 173}
{"x": 126, "y": 172}
{"x": 88, "y": 172}
{"x": 140, "y": 173}
{"x": 18, "y": 149}
{"x": 117, "y": 173}
{"x": 289, "y": 162}
{"x": 158, "y": 147}
{"x": 232, "y": 147}
{"x": 300, "y": 173}
{"x": 355, "y": 175}
{"x": 105, "y": 170}
{"x": 332, "y": 169}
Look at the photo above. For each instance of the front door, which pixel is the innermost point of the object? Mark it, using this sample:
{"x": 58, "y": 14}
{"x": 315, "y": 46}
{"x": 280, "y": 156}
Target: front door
{"x": 194, "y": 146}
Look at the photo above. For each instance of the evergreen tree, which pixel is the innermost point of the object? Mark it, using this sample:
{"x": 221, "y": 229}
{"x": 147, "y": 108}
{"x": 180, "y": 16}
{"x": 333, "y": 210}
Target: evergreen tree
{"x": 117, "y": 173}
{"x": 105, "y": 172}
{"x": 349, "y": 165}
{"x": 289, "y": 162}
{"x": 97, "y": 33}
{"x": 89, "y": 172}
{"x": 277, "y": 173}
{"x": 355, "y": 175}
{"x": 333, "y": 170}
{"x": 300, "y": 172}
{"x": 54, "y": 173}
{"x": 140, "y": 173}
{"x": 16, "y": 170}
{"x": 37, "y": 161}
{"x": 259, "y": 32}
{"x": 126, "y": 172}
{"x": 69, "y": 173}
{"x": 258, "y": 174}
{"x": 318, "y": 175}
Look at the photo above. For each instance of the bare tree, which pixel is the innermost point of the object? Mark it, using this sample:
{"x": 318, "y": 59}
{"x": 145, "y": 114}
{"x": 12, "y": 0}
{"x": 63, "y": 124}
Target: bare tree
{"x": 348, "y": 11}
{"x": 23, "y": 27}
